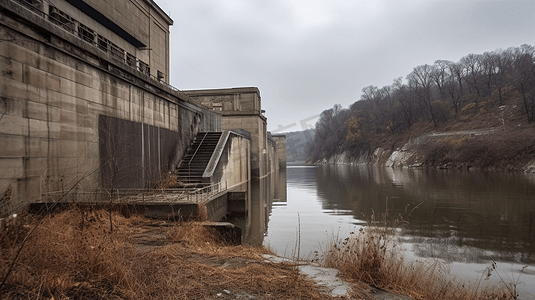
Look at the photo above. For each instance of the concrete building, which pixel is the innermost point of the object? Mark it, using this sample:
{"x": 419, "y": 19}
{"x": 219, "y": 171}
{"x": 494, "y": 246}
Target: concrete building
{"x": 84, "y": 95}
{"x": 85, "y": 102}
{"x": 241, "y": 109}
{"x": 135, "y": 32}
{"x": 280, "y": 151}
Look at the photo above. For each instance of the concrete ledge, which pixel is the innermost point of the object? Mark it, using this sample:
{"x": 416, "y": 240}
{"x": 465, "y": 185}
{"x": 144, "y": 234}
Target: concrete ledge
{"x": 217, "y": 207}
{"x": 229, "y": 232}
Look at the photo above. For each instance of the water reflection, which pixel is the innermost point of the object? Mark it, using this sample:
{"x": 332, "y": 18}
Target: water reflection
{"x": 451, "y": 210}
{"x": 467, "y": 219}
{"x": 261, "y": 195}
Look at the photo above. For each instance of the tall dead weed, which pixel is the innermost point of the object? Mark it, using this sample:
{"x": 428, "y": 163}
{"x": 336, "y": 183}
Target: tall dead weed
{"x": 70, "y": 254}
{"x": 373, "y": 255}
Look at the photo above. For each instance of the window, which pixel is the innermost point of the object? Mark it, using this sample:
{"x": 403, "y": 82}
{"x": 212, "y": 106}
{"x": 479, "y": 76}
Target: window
{"x": 130, "y": 60}
{"x": 117, "y": 52}
{"x": 86, "y": 34}
{"x": 217, "y": 106}
{"x": 103, "y": 43}
{"x": 62, "y": 19}
{"x": 143, "y": 67}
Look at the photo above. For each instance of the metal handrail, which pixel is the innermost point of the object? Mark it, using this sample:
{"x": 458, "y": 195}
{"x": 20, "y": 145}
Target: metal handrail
{"x": 195, "y": 153}
{"x": 175, "y": 196}
{"x": 196, "y": 150}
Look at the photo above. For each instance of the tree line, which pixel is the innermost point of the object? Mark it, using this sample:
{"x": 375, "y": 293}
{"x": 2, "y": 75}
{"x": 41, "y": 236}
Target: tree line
{"x": 430, "y": 93}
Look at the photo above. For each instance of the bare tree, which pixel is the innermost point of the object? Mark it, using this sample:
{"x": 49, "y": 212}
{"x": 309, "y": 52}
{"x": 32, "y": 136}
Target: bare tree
{"x": 504, "y": 64}
{"x": 473, "y": 69}
{"x": 421, "y": 82}
{"x": 524, "y": 77}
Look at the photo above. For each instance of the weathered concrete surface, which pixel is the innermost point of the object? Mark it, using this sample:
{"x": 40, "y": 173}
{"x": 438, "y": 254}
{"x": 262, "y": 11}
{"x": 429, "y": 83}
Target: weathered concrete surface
{"x": 162, "y": 206}
{"x": 327, "y": 279}
{"x": 280, "y": 150}
{"x": 230, "y": 163}
{"x": 54, "y": 87}
{"x": 124, "y": 28}
{"x": 216, "y": 207}
{"x": 241, "y": 109}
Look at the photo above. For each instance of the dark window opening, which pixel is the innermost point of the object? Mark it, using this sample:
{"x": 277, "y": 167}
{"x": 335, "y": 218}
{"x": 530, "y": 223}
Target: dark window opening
{"x": 130, "y": 60}
{"x": 86, "y": 33}
{"x": 103, "y": 43}
{"x": 34, "y": 5}
{"x": 60, "y": 18}
{"x": 117, "y": 52}
{"x": 144, "y": 68}
{"x": 97, "y": 16}
{"x": 160, "y": 76}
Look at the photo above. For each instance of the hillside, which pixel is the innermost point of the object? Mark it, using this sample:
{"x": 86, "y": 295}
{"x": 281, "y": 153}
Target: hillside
{"x": 297, "y": 144}
{"x": 483, "y": 103}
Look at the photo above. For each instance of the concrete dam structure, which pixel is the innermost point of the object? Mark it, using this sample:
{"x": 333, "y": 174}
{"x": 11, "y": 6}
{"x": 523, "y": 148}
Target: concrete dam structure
{"x": 85, "y": 102}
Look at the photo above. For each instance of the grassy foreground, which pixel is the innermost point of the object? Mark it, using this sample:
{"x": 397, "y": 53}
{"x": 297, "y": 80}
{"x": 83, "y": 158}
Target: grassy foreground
{"x": 80, "y": 254}
{"x": 95, "y": 254}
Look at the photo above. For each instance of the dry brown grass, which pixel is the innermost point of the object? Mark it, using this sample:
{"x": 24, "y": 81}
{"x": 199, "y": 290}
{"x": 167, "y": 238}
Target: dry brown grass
{"x": 373, "y": 255}
{"x": 165, "y": 181}
{"x": 70, "y": 254}
{"x": 74, "y": 255}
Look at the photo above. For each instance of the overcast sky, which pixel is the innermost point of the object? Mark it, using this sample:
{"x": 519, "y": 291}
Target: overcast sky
{"x": 307, "y": 55}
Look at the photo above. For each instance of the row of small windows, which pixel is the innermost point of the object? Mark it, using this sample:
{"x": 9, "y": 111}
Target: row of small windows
{"x": 87, "y": 34}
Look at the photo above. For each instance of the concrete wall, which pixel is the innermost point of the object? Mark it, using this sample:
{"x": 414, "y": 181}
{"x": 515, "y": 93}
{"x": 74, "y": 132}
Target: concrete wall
{"x": 233, "y": 167}
{"x": 280, "y": 151}
{"x": 57, "y": 93}
{"x": 231, "y": 101}
{"x": 257, "y": 128}
{"x": 241, "y": 109}
{"x": 136, "y": 28}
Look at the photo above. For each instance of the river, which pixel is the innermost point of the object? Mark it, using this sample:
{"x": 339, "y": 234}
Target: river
{"x": 466, "y": 220}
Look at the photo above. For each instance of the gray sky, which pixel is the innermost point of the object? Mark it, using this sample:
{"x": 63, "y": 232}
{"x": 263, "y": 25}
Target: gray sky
{"x": 307, "y": 55}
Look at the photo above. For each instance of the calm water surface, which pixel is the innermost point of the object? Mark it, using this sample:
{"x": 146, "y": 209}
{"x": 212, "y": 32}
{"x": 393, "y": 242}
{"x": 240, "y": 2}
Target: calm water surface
{"x": 465, "y": 219}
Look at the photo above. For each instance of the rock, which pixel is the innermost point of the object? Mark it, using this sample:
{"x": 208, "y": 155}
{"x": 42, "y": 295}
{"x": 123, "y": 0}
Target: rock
{"x": 379, "y": 294}
{"x": 530, "y": 168}
{"x": 326, "y": 278}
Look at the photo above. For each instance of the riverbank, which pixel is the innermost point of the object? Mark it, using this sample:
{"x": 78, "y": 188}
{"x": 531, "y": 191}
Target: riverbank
{"x": 492, "y": 149}
{"x": 481, "y": 136}
{"x": 94, "y": 255}
{"x": 86, "y": 254}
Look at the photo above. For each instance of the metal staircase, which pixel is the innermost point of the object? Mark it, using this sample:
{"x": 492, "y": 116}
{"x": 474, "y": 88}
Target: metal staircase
{"x": 196, "y": 159}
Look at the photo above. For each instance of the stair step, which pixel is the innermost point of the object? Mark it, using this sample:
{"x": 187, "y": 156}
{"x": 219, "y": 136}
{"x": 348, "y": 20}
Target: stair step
{"x": 196, "y": 158}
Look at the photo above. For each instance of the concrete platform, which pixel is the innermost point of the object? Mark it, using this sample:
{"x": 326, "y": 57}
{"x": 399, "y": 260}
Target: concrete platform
{"x": 164, "y": 206}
